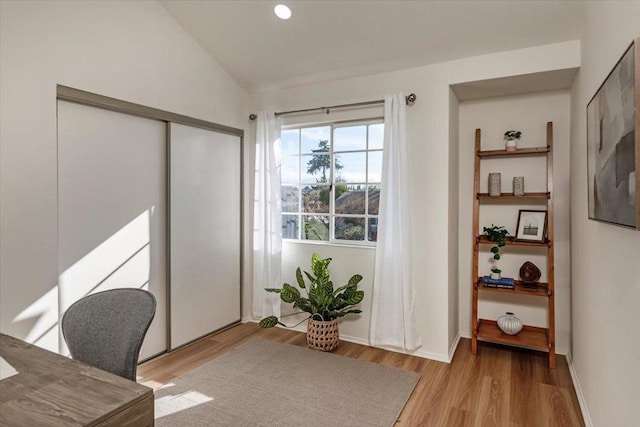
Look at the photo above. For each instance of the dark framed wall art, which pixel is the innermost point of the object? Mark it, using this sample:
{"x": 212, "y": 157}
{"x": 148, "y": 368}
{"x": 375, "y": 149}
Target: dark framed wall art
{"x": 613, "y": 144}
{"x": 532, "y": 226}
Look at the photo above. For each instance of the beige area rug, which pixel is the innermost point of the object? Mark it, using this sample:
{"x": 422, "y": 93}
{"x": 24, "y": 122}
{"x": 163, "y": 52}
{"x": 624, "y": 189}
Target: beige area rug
{"x": 263, "y": 383}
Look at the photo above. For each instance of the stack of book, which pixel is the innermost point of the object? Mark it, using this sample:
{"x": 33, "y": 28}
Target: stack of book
{"x": 505, "y": 282}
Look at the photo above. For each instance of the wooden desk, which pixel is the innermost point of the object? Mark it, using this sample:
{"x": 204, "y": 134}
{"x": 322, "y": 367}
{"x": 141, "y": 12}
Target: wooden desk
{"x": 52, "y": 390}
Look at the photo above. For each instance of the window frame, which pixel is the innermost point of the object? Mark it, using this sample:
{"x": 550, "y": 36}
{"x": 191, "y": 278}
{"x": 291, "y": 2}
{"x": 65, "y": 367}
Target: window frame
{"x": 366, "y": 216}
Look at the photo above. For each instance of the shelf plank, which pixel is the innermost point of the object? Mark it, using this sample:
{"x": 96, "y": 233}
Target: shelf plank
{"x": 483, "y": 240}
{"x": 530, "y": 336}
{"x": 510, "y": 196}
{"x": 518, "y": 152}
{"x": 541, "y": 289}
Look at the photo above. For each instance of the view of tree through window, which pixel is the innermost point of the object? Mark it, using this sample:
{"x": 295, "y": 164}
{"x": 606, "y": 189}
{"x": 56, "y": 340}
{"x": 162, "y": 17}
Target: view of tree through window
{"x": 331, "y": 182}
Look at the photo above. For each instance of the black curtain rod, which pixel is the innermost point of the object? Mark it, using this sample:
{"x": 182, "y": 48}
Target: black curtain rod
{"x": 409, "y": 99}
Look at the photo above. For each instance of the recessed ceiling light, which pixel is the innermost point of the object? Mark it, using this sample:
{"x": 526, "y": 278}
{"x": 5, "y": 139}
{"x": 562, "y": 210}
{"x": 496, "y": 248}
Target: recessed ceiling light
{"x": 282, "y": 11}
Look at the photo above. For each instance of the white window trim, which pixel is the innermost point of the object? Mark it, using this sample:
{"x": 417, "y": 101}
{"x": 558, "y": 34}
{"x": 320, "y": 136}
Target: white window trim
{"x": 331, "y": 214}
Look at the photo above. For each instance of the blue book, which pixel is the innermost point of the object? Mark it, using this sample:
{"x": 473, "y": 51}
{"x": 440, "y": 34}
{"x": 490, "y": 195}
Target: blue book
{"x": 491, "y": 285}
{"x": 505, "y": 281}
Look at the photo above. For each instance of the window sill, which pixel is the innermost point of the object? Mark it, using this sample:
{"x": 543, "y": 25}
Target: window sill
{"x": 323, "y": 243}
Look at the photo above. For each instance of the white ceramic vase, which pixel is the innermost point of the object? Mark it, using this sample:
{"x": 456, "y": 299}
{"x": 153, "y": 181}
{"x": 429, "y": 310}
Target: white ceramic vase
{"x": 512, "y": 145}
{"x": 509, "y": 324}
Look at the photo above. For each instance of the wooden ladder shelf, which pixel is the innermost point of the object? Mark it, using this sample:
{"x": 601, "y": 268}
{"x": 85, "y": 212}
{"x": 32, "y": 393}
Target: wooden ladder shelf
{"x": 533, "y": 337}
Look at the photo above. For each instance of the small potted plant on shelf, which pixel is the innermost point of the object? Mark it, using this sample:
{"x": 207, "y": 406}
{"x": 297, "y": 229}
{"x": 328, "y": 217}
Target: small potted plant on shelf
{"x": 324, "y": 304}
{"x": 498, "y": 235}
{"x": 512, "y": 137}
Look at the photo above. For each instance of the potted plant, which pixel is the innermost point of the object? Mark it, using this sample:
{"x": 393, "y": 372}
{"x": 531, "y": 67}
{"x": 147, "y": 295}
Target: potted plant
{"x": 324, "y": 304}
{"x": 498, "y": 235}
{"x": 512, "y": 137}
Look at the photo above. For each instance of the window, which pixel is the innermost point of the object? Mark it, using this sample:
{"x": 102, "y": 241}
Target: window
{"x": 331, "y": 182}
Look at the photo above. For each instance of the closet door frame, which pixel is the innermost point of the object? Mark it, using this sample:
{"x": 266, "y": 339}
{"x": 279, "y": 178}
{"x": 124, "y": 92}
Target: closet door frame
{"x": 69, "y": 94}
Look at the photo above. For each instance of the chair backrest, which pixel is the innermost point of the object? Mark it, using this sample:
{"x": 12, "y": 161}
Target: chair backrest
{"x": 106, "y": 329}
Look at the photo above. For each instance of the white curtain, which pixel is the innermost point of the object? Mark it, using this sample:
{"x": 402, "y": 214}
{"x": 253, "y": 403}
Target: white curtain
{"x": 267, "y": 218}
{"x": 393, "y": 311}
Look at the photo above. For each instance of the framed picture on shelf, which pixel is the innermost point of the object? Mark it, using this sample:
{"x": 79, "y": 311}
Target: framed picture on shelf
{"x": 532, "y": 226}
{"x": 613, "y": 144}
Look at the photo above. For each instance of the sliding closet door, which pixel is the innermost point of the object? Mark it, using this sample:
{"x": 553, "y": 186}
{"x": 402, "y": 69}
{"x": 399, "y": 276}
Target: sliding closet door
{"x": 112, "y": 208}
{"x": 205, "y": 231}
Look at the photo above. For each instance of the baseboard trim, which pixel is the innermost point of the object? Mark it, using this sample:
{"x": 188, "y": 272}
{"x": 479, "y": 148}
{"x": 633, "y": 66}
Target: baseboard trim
{"x": 576, "y": 385}
{"x": 438, "y": 357}
{"x": 354, "y": 340}
{"x": 419, "y": 352}
{"x": 446, "y": 358}
{"x": 454, "y": 347}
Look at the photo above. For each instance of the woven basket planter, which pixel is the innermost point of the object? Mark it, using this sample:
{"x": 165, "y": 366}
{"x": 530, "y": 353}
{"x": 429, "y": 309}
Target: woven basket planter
{"x": 323, "y": 336}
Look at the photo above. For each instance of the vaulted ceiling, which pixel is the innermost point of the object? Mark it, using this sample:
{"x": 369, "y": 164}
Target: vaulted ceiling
{"x": 336, "y": 39}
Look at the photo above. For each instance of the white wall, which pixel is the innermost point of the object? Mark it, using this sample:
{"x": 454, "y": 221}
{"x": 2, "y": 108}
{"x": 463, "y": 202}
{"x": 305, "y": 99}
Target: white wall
{"x": 528, "y": 113}
{"x": 345, "y": 262}
{"x": 428, "y": 131}
{"x": 604, "y": 258}
{"x": 128, "y": 50}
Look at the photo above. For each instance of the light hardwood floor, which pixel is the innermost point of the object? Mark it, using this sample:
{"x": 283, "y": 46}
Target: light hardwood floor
{"x": 499, "y": 387}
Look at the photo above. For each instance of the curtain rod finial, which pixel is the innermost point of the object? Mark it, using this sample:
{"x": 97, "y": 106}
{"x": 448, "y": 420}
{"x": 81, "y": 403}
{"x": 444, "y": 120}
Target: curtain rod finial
{"x": 252, "y": 117}
{"x": 411, "y": 98}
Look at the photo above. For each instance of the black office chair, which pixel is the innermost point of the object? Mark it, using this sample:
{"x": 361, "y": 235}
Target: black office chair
{"x": 106, "y": 329}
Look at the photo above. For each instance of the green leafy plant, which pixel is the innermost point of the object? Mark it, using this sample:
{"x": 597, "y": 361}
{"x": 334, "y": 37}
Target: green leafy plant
{"x": 512, "y": 134}
{"x": 496, "y": 270}
{"x": 322, "y": 302}
{"x": 498, "y": 235}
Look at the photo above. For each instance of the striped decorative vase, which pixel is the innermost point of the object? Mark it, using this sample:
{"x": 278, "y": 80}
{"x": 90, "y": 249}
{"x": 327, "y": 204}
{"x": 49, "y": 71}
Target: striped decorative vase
{"x": 509, "y": 324}
{"x": 495, "y": 187}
